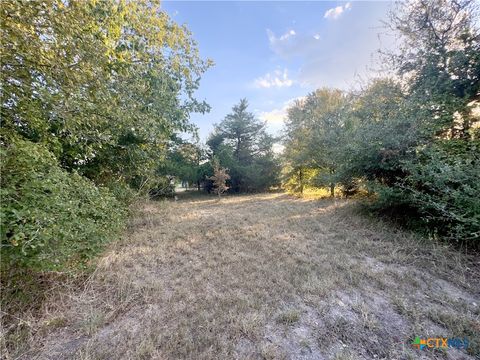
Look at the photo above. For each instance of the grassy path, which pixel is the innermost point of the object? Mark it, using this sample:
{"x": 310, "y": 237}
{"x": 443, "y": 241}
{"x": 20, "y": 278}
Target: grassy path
{"x": 264, "y": 277}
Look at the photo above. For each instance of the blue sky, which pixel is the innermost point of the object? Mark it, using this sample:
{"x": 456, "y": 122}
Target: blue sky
{"x": 274, "y": 52}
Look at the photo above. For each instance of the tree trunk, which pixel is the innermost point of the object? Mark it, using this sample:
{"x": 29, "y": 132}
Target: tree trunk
{"x": 198, "y": 185}
{"x": 301, "y": 181}
{"x": 332, "y": 184}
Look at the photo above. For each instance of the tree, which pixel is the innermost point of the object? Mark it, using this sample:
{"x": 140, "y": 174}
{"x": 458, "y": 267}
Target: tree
{"x": 103, "y": 85}
{"x": 219, "y": 178}
{"x": 184, "y": 161}
{"x": 296, "y": 154}
{"x": 314, "y": 135}
{"x": 382, "y": 132}
{"x": 442, "y": 184}
{"x": 241, "y": 143}
{"x": 439, "y": 59}
{"x": 440, "y": 63}
{"x": 91, "y": 94}
{"x": 50, "y": 219}
{"x": 411, "y": 139}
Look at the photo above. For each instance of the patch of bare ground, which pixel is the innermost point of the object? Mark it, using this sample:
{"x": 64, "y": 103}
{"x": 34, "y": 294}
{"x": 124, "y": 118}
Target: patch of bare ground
{"x": 264, "y": 277}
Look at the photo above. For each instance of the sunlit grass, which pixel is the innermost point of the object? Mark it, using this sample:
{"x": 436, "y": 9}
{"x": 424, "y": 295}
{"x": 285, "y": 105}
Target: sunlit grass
{"x": 260, "y": 276}
{"x": 311, "y": 192}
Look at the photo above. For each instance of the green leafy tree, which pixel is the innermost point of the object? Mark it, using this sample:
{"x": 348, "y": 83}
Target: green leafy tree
{"x": 439, "y": 59}
{"x": 103, "y": 84}
{"x": 91, "y": 94}
{"x": 314, "y": 134}
{"x": 412, "y": 139}
{"x": 241, "y": 144}
{"x": 185, "y": 162}
{"x": 382, "y": 134}
{"x": 415, "y": 141}
{"x": 297, "y": 157}
{"x": 51, "y": 219}
{"x": 442, "y": 183}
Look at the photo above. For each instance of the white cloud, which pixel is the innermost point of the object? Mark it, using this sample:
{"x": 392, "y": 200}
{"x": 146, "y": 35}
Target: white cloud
{"x": 273, "y": 39}
{"x": 291, "y": 42}
{"x": 278, "y": 79}
{"x": 334, "y": 13}
{"x": 339, "y": 57}
{"x": 279, "y": 115}
{"x": 287, "y": 35}
{"x": 274, "y": 116}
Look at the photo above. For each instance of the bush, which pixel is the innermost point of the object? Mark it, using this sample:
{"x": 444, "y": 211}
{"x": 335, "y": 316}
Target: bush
{"x": 51, "y": 219}
{"x": 443, "y": 184}
{"x": 162, "y": 187}
{"x": 123, "y": 193}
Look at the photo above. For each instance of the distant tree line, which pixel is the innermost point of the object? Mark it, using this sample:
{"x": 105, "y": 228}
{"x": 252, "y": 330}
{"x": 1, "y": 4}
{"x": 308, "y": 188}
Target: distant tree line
{"x": 240, "y": 144}
{"x": 412, "y": 139}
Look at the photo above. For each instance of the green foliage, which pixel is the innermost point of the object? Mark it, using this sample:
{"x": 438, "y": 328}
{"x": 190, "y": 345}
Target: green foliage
{"x": 90, "y": 90}
{"x": 439, "y": 58}
{"x": 186, "y": 162}
{"x": 103, "y": 84}
{"x": 443, "y": 184}
{"x": 296, "y": 179}
{"x": 51, "y": 219}
{"x": 242, "y": 145}
{"x": 162, "y": 187}
{"x": 91, "y": 94}
{"x": 411, "y": 141}
{"x": 383, "y": 133}
{"x": 315, "y": 133}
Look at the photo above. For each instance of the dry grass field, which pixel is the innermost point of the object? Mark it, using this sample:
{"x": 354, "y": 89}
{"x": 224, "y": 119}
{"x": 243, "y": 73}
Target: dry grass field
{"x": 263, "y": 276}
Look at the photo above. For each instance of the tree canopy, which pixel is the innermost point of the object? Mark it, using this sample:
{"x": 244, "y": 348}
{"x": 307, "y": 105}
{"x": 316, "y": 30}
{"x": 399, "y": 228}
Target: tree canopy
{"x": 411, "y": 139}
{"x": 241, "y": 144}
{"x": 102, "y": 84}
{"x": 92, "y": 92}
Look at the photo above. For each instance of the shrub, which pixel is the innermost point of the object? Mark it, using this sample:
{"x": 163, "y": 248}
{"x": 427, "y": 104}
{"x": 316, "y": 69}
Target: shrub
{"x": 162, "y": 187}
{"x": 219, "y": 178}
{"x": 443, "y": 184}
{"x": 51, "y": 219}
